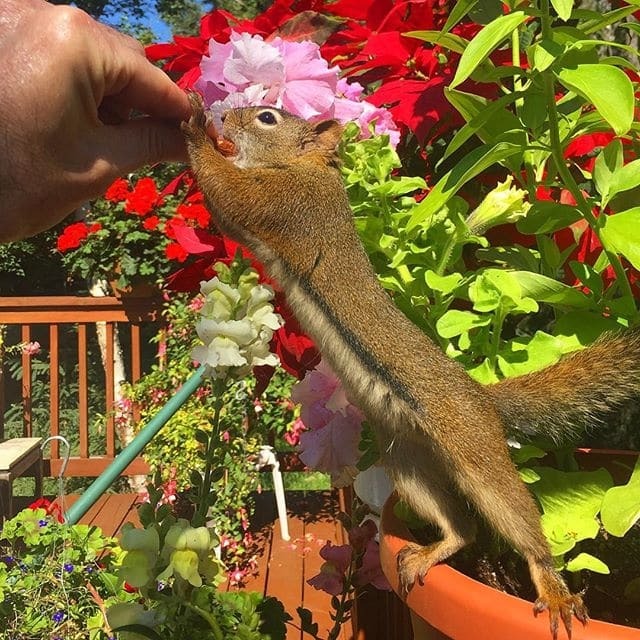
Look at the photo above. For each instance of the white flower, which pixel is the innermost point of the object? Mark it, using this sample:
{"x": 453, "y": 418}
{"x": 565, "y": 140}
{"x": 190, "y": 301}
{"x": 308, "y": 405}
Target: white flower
{"x": 236, "y": 325}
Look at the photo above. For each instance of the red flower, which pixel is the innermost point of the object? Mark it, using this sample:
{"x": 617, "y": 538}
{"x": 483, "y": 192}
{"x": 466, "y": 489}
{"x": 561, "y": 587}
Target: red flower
{"x": 52, "y": 508}
{"x": 143, "y": 198}
{"x": 117, "y": 191}
{"x": 151, "y": 222}
{"x": 196, "y": 212}
{"x": 73, "y": 235}
{"x": 174, "y": 251}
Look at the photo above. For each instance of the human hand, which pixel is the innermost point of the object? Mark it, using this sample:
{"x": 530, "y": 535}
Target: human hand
{"x": 69, "y": 87}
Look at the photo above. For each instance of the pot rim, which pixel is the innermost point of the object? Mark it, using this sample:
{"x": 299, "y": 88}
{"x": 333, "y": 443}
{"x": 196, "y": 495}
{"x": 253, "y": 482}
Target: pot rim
{"x": 463, "y": 608}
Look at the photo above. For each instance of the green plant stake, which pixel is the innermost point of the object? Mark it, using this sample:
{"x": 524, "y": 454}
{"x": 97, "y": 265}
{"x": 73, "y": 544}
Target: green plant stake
{"x": 129, "y": 453}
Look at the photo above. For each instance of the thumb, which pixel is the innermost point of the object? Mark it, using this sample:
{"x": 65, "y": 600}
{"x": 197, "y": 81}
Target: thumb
{"x": 141, "y": 142}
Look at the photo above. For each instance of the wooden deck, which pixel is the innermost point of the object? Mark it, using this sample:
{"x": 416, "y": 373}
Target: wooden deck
{"x": 283, "y": 566}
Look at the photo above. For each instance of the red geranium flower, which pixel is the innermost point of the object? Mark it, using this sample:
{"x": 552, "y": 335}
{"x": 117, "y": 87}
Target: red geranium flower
{"x": 143, "y": 198}
{"x": 73, "y": 235}
{"x": 174, "y": 251}
{"x": 117, "y": 191}
{"x": 151, "y": 222}
{"x": 52, "y": 508}
{"x": 195, "y": 212}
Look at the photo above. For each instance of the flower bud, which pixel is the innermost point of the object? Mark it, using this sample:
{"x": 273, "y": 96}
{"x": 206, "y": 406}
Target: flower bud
{"x": 501, "y": 205}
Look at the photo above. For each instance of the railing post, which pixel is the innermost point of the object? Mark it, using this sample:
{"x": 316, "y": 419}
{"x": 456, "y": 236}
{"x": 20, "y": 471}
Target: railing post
{"x": 131, "y": 451}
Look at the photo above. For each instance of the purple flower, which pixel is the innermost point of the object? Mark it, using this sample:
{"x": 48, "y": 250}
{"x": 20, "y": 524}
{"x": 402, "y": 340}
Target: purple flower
{"x": 42, "y": 523}
{"x": 8, "y": 560}
{"x": 58, "y": 617}
{"x": 89, "y": 568}
{"x": 68, "y": 567}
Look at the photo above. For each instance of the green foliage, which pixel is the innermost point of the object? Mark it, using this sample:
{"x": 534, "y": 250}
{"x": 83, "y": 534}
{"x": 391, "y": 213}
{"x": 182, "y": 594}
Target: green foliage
{"x": 51, "y": 575}
{"x": 501, "y": 302}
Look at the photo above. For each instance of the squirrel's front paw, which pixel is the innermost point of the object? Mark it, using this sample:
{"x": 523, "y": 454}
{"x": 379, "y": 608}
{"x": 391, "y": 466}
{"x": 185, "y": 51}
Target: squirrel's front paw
{"x": 563, "y": 607}
{"x": 195, "y": 129}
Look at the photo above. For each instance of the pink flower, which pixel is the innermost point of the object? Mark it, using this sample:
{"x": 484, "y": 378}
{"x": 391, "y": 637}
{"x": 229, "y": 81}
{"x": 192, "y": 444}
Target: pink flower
{"x": 335, "y": 445}
{"x": 292, "y": 436}
{"x": 31, "y": 348}
{"x": 350, "y": 107}
{"x": 333, "y": 423}
{"x": 332, "y": 572}
{"x": 310, "y": 85}
{"x": 321, "y": 395}
{"x": 249, "y": 71}
{"x": 370, "y": 571}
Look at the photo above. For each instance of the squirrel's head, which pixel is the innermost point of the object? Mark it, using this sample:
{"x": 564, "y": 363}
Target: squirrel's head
{"x": 264, "y": 136}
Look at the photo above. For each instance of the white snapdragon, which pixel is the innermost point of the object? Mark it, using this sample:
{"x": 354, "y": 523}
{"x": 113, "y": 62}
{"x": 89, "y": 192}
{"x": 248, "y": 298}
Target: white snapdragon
{"x": 236, "y": 325}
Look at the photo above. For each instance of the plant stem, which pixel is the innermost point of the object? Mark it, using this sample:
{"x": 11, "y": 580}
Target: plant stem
{"x": 203, "y": 504}
{"x": 556, "y": 153}
{"x": 209, "y": 618}
{"x": 499, "y": 318}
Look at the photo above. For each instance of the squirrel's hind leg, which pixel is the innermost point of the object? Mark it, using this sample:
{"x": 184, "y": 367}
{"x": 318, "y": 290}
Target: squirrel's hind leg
{"x": 428, "y": 492}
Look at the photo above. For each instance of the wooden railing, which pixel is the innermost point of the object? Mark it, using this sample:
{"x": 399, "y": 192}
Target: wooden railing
{"x": 46, "y": 319}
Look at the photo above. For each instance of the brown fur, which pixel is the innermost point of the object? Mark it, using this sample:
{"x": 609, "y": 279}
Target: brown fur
{"x": 442, "y": 435}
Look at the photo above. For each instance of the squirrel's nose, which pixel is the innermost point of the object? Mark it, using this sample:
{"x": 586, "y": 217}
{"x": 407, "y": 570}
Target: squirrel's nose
{"x": 224, "y": 115}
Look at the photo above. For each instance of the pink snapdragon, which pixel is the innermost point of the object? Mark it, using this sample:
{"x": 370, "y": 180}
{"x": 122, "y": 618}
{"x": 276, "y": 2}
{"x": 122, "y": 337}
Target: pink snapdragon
{"x": 247, "y": 71}
{"x": 333, "y": 424}
{"x": 333, "y": 571}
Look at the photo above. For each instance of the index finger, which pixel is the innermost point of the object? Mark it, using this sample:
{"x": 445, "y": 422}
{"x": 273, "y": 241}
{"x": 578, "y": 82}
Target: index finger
{"x": 146, "y": 88}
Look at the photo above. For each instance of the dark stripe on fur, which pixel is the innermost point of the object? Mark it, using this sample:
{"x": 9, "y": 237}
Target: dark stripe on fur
{"x": 366, "y": 358}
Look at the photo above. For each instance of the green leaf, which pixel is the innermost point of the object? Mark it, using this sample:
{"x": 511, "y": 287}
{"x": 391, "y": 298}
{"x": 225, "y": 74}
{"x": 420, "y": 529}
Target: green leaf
{"x": 496, "y": 287}
{"x": 547, "y": 217}
{"x": 469, "y": 167}
{"x": 484, "y": 43}
{"x": 570, "y": 502}
{"x": 563, "y": 8}
{"x": 624, "y": 178}
{"x": 525, "y": 355}
{"x": 486, "y": 119}
{"x": 607, "y": 88}
{"x": 587, "y": 561}
{"x": 544, "y": 53}
{"x": 526, "y": 452}
{"x": 528, "y": 476}
{"x": 544, "y": 289}
{"x": 458, "y": 11}
{"x": 141, "y": 630}
{"x": 447, "y": 40}
{"x": 609, "y": 161}
{"x": 580, "y": 328}
{"x": 455, "y": 322}
{"x": 621, "y": 233}
{"x": 443, "y": 284}
{"x": 621, "y": 505}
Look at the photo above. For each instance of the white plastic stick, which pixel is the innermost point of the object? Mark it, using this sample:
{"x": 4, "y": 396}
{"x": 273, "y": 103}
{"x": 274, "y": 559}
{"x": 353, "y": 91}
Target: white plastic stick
{"x": 267, "y": 457}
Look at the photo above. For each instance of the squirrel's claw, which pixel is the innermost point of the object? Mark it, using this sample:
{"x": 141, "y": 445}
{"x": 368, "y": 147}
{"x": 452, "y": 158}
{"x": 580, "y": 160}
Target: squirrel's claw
{"x": 564, "y": 609}
{"x": 413, "y": 564}
{"x": 195, "y": 129}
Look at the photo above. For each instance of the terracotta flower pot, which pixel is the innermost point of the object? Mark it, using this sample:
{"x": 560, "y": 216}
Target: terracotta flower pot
{"x": 452, "y": 605}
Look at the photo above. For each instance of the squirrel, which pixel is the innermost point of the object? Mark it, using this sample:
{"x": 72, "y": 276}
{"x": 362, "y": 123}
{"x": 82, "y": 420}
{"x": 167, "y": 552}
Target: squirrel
{"x": 443, "y": 436}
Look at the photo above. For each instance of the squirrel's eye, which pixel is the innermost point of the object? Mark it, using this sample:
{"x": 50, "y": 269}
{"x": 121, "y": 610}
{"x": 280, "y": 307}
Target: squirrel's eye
{"x": 267, "y": 117}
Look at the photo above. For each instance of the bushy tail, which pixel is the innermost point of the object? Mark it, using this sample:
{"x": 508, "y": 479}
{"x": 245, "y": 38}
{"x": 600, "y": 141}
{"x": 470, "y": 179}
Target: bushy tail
{"x": 576, "y": 392}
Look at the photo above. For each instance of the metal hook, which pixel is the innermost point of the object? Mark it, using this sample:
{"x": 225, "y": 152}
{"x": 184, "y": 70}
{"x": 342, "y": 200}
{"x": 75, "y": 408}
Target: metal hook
{"x": 63, "y": 468}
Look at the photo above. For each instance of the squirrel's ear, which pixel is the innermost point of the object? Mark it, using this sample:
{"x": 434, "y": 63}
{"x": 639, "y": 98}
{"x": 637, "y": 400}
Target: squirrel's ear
{"x": 328, "y": 135}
